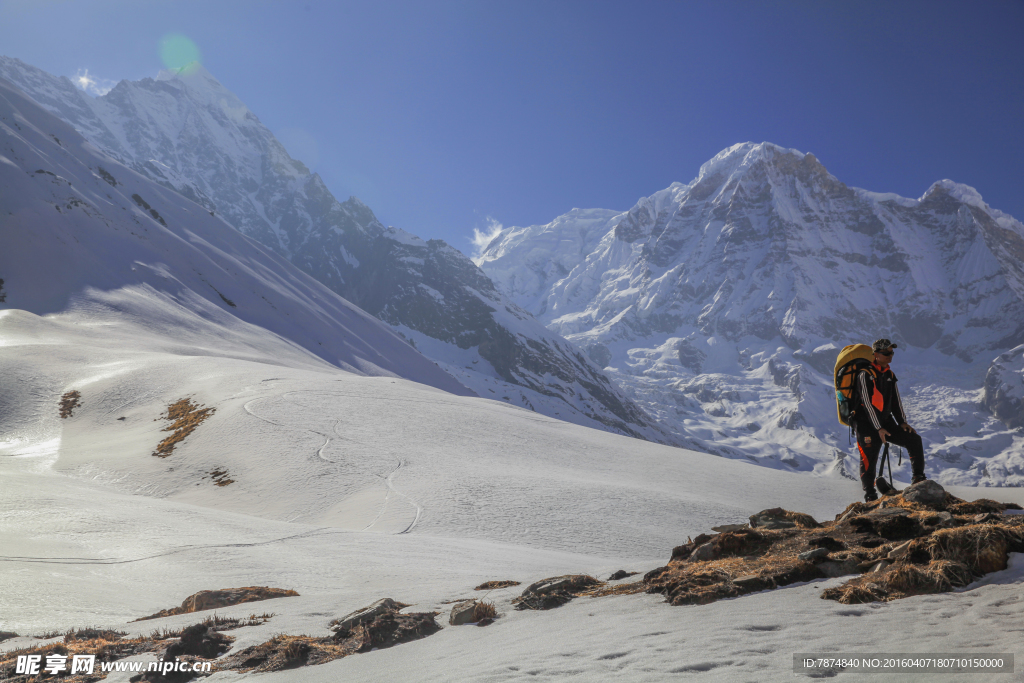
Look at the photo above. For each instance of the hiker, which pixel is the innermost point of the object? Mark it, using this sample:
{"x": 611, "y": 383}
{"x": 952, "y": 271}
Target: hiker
{"x": 880, "y": 419}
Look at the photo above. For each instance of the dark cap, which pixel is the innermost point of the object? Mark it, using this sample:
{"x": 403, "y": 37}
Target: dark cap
{"x": 882, "y": 344}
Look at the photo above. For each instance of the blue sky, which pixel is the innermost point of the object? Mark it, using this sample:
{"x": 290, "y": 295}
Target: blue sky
{"x": 445, "y": 115}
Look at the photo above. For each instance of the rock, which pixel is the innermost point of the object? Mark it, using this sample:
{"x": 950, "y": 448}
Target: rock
{"x": 811, "y": 555}
{"x": 925, "y": 492}
{"x": 391, "y": 628}
{"x": 199, "y": 640}
{"x": 984, "y": 517}
{"x": 553, "y": 592}
{"x": 683, "y": 552}
{"x": 899, "y": 551}
{"x": 704, "y": 553}
{"x": 881, "y": 566}
{"x": 777, "y": 518}
{"x": 728, "y": 527}
{"x": 7, "y": 635}
{"x": 366, "y": 614}
{"x": 833, "y": 569}
{"x": 705, "y": 548}
{"x": 939, "y": 520}
{"x": 621, "y": 574}
{"x": 463, "y": 613}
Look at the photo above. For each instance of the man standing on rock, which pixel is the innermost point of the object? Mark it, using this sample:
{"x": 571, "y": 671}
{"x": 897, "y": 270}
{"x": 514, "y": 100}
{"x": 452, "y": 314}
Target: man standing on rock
{"x": 880, "y": 418}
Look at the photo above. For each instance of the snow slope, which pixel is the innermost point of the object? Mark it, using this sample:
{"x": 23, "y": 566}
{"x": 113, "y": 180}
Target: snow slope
{"x": 720, "y": 306}
{"x": 84, "y": 236}
{"x": 349, "y": 488}
{"x": 186, "y": 131}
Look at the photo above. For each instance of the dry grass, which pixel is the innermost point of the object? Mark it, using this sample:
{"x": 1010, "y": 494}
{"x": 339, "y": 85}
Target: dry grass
{"x": 493, "y": 585}
{"x": 185, "y": 417}
{"x": 982, "y": 548}
{"x": 68, "y": 402}
{"x": 104, "y": 649}
{"x": 220, "y": 477}
{"x": 484, "y": 610}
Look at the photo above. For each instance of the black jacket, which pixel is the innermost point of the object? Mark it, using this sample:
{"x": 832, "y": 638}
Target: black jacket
{"x": 878, "y": 399}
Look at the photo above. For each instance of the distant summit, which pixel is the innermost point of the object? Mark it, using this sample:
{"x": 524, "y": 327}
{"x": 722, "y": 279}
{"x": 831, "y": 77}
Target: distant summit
{"x": 719, "y": 305}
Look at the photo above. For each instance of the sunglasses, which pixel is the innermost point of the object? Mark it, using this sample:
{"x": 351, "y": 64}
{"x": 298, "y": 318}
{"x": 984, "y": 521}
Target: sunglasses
{"x": 885, "y": 353}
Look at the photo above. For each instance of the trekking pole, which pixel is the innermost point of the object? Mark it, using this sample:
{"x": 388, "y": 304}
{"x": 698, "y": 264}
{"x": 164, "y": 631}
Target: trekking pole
{"x": 886, "y": 456}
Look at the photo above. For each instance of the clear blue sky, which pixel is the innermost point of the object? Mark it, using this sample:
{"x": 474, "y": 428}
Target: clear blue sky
{"x": 441, "y": 114}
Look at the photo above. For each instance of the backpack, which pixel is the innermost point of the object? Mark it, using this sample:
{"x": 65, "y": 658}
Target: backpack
{"x": 852, "y": 359}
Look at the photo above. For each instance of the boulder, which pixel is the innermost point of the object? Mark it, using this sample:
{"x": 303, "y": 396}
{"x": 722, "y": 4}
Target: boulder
{"x": 366, "y": 614}
{"x": 833, "y": 569}
{"x": 722, "y": 528}
{"x": 463, "y": 613}
{"x": 553, "y": 592}
{"x": 778, "y": 518}
{"x": 812, "y": 555}
{"x": 925, "y": 492}
{"x": 621, "y": 574}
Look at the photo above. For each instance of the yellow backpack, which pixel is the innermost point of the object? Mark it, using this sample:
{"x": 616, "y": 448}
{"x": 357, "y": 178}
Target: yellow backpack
{"x": 852, "y": 359}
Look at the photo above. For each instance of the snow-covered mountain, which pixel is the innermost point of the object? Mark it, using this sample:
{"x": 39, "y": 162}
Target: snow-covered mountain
{"x": 187, "y": 132}
{"x": 720, "y": 306}
{"x": 83, "y": 235}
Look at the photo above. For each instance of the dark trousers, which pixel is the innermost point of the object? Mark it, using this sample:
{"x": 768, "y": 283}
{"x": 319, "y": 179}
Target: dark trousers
{"x": 870, "y": 445}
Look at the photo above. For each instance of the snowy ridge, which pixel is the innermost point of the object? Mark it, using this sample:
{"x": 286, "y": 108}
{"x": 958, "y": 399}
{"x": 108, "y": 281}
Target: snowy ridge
{"x": 720, "y": 305}
{"x": 84, "y": 235}
{"x": 189, "y": 133}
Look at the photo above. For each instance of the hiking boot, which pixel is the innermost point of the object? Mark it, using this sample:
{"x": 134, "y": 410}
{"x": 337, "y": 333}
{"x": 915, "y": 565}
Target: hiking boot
{"x": 870, "y": 496}
{"x": 918, "y": 478}
{"x": 884, "y": 487}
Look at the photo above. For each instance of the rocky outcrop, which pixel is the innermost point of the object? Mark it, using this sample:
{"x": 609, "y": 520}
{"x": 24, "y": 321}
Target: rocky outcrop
{"x": 554, "y": 592}
{"x": 894, "y": 548}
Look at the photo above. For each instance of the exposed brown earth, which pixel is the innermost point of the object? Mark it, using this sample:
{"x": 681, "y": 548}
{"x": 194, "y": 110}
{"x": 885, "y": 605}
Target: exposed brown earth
{"x": 225, "y": 597}
{"x": 494, "y": 585}
{"x": 382, "y": 627}
{"x": 185, "y": 417}
{"x": 68, "y": 402}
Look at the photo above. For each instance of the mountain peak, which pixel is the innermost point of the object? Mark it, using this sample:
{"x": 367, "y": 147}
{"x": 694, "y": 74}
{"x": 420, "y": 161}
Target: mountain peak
{"x": 959, "y": 191}
{"x": 741, "y": 156}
